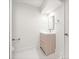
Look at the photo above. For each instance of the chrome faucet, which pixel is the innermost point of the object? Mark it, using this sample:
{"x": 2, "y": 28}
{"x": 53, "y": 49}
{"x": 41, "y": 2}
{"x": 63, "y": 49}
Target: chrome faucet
{"x": 50, "y": 30}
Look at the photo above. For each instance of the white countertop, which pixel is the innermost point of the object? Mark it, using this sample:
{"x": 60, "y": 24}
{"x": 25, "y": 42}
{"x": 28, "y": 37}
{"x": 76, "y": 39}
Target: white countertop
{"x": 48, "y": 32}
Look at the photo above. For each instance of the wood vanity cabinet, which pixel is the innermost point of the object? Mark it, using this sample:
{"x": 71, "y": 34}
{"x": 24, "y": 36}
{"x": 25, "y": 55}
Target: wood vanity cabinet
{"x": 48, "y": 43}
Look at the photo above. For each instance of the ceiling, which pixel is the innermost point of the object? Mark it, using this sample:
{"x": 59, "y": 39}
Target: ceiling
{"x": 51, "y": 5}
{"x": 42, "y": 4}
{"x": 35, "y": 3}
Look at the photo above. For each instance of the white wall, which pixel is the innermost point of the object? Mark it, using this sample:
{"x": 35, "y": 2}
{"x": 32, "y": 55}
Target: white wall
{"x": 44, "y": 23}
{"x": 59, "y": 15}
{"x": 28, "y": 22}
{"x": 25, "y": 25}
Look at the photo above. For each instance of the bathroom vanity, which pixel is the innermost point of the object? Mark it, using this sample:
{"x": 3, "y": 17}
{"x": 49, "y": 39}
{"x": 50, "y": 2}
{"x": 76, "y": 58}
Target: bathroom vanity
{"x": 48, "y": 42}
